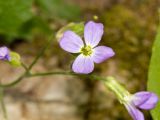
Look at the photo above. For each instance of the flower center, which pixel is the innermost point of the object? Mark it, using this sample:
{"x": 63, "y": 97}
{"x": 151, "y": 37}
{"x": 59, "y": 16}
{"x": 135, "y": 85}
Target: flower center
{"x": 86, "y": 50}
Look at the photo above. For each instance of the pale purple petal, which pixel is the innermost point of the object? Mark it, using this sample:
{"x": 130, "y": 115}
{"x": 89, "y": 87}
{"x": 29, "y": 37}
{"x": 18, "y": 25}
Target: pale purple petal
{"x": 101, "y": 53}
{"x": 4, "y": 53}
{"x": 93, "y": 33}
{"x": 140, "y": 98}
{"x": 71, "y": 42}
{"x": 134, "y": 112}
{"x": 145, "y": 100}
{"x": 83, "y": 64}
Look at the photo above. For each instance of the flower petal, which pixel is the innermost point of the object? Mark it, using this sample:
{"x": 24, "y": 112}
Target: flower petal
{"x": 4, "y": 53}
{"x": 145, "y": 100}
{"x": 140, "y": 98}
{"x": 102, "y": 53}
{"x": 71, "y": 42}
{"x": 93, "y": 33}
{"x": 83, "y": 64}
{"x": 134, "y": 112}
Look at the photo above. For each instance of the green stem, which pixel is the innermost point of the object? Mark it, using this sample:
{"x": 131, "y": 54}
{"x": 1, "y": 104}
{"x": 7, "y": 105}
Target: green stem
{"x": 24, "y": 66}
{"x": 15, "y": 81}
{"x": 3, "y": 105}
{"x": 20, "y": 78}
{"x": 41, "y": 53}
{"x": 91, "y": 76}
{"x": 27, "y": 70}
{"x": 27, "y": 74}
{"x": 110, "y": 82}
{"x": 52, "y": 73}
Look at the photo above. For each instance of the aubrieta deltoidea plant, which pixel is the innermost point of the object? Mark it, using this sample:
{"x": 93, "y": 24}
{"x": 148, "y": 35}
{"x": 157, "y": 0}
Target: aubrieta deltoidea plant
{"x": 88, "y": 54}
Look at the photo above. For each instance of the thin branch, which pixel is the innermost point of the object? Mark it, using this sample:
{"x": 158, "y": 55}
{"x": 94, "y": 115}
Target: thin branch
{"x": 40, "y": 53}
{"x": 3, "y": 105}
{"x": 14, "y": 82}
{"x": 52, "y": 73}
{"x": 24, "y": 66}
{"x": 27, "y": 70}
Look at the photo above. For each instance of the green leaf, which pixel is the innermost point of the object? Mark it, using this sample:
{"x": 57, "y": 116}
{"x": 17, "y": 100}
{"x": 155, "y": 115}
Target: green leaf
{"x": 13, "y": 13}
{"x": 34, "y": 26}
{"x": 78, "y": 28}
{"x": 15, "y": 59}
{"x": 58, "y": 8}
{"x": 154, "y": 74}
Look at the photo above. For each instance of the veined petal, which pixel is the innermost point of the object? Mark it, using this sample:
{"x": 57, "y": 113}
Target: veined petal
{"x": 83, "y": 64}
{"x": 145, "y": 100}
{"x": 134, "y": 112}
{"x": 71, "y": 42}
{"x": 102, "y": 53}
{"x": 4, "y": 53}
{"x": 93, "y": 33}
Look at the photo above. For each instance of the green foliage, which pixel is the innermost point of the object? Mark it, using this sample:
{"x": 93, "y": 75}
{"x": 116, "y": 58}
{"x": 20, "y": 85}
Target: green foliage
{"x": 34, "y": 26}
{"x": 23, "y": 19}
{"x": 58, "y": 8}
{"x": 154, "y": 74}
{"x": 14, "y": 13}
{"x": 15, "y": 59}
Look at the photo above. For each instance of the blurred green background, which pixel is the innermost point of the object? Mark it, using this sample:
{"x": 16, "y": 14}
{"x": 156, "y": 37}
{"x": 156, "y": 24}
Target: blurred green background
{"x": 130, "y": 28}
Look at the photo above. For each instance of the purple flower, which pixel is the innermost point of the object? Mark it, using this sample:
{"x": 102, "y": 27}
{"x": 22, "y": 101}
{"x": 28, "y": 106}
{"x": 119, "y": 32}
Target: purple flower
{"x": 140, "y": 100}
{"x": 88, "y": 51}
{"x": 4, "y": 53}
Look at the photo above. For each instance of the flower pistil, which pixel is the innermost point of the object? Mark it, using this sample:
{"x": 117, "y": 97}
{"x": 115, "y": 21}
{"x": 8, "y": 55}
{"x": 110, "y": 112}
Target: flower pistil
{"x": 86, "y": 50}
